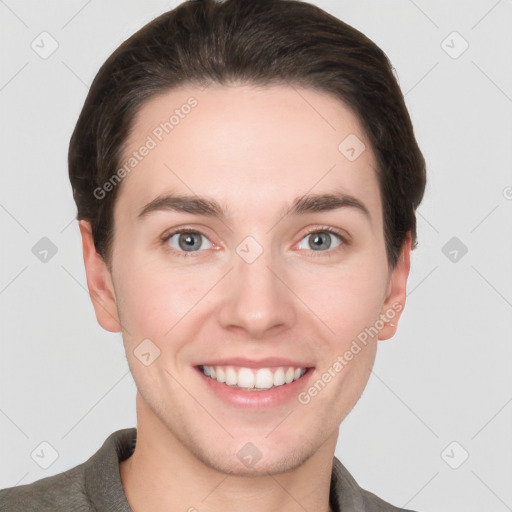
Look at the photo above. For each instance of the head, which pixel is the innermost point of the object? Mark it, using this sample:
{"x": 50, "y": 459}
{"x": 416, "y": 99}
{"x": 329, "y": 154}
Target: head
{"x": 287, "y": 130}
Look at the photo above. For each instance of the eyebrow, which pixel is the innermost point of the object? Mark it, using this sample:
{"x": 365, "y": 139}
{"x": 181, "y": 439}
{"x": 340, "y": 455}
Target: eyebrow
{"x": 311, "y": 203}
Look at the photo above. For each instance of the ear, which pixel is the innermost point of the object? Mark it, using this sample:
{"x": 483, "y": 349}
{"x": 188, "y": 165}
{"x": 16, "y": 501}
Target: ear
{"x": 99, "y": 282}
{"x": 395, "y": 295}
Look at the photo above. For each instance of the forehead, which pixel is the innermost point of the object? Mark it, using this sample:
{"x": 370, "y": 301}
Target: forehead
{"x": 247, "y": 146}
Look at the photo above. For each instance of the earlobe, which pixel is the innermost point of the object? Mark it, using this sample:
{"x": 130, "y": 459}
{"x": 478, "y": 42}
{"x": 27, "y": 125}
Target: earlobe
{"x": 99, "y": 282}
{"x": 396, "y": 292}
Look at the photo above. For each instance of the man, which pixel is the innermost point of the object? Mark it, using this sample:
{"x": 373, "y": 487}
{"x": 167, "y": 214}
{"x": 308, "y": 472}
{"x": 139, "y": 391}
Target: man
{"x": 246, "y": 177}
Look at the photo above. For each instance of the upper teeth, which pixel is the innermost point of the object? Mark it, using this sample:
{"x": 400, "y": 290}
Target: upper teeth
{"x": 250, "y": 378}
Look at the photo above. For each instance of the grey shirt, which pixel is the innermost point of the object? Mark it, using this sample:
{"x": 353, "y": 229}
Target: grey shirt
{"x": 95, "y": 485}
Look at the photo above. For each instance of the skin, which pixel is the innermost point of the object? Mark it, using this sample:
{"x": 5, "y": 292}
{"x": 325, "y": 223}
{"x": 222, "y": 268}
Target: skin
{"x": 254, "y": 150}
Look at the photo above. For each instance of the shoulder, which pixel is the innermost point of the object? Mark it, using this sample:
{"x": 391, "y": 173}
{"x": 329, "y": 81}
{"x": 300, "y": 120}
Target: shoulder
{"x": 63, "y": 491}
{"x": 347, "y": 495}
{"x": 373, "y": 503}
{"x": 93, "y": 485}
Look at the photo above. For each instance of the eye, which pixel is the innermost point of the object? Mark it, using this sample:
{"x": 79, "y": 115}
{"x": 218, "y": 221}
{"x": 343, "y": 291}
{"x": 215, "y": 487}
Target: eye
{"x": 321, "y": 240}
{"x": 187, "y": 241}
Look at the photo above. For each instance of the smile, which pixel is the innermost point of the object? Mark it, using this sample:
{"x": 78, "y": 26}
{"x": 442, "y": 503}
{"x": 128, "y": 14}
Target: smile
{"x": 253, "y": 379}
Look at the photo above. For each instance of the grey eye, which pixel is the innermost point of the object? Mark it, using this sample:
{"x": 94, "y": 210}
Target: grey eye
{"x": 320, "y": 241}
{"x": 188, "y": 241}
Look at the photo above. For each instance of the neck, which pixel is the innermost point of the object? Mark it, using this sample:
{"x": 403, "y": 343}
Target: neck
{"x": 162, "y": 474}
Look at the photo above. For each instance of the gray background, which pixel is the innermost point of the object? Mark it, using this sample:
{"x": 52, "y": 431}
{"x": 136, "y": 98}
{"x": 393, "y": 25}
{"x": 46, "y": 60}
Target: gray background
{"x": 444, "y": 378}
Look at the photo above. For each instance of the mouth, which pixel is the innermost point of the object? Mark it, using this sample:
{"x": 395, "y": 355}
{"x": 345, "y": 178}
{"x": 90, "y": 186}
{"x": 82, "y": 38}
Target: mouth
{"x": 262, "y": 384}
{"x": 254, "y": 379}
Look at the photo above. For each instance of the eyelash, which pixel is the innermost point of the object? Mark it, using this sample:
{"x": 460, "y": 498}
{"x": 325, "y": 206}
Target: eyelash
{"x": 323, "y": 229}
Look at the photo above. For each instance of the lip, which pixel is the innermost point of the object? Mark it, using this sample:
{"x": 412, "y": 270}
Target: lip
{"x": 267, "y": 362}
{"x": 256, "y": 400}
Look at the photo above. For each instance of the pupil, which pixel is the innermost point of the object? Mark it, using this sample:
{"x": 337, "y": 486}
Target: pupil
{"x": 187, "y": 241}
{"x": 318, "y": 242}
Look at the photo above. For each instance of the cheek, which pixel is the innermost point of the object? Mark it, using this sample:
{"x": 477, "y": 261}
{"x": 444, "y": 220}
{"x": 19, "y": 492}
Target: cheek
{"x": 152, "y": 301}
{"x": 349, "y": 299}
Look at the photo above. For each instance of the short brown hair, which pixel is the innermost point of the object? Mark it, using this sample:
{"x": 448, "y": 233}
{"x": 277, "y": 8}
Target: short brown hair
{"x": 260, "y": 42}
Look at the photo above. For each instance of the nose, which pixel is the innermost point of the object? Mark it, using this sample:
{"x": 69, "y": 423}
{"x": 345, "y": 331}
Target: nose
{"x": 256, "y": 299}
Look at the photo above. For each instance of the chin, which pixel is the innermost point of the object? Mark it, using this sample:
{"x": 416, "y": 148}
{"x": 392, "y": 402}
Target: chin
{"x": 239, "y": 463}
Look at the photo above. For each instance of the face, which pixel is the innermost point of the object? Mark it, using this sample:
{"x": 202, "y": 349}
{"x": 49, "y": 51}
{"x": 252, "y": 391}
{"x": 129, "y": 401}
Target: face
{"x": 250, "y": 304}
